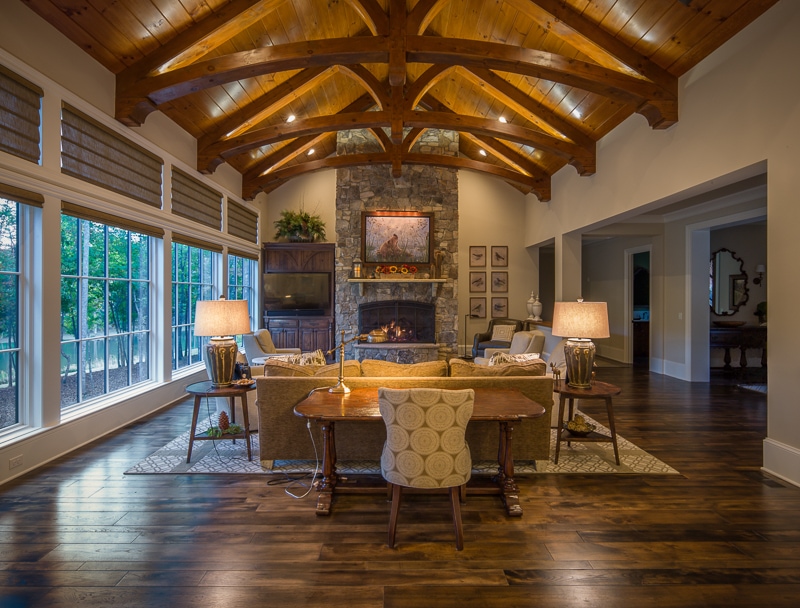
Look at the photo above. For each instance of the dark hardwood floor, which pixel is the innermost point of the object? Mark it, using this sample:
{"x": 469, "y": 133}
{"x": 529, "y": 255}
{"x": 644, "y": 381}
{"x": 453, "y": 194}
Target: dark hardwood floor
{"x": 79, "y": 532}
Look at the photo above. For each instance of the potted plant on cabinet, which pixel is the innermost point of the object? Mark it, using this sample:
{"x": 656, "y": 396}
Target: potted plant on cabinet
{"x": 300, "y": 226}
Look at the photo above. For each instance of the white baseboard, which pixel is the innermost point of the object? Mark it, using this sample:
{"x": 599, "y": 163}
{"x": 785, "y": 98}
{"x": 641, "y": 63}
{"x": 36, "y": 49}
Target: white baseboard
{"x": 782, "y": 461}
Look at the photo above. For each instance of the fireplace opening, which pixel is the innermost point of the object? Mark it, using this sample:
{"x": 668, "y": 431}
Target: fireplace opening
{"x": 401, "y": 320}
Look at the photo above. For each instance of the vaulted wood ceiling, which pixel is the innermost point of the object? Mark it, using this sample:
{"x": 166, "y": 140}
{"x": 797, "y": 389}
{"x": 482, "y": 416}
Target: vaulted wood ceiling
{"x": 530, "y": 85}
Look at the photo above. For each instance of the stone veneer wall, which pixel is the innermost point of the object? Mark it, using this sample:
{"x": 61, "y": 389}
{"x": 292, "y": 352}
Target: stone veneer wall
{"x": 421, "y": 188}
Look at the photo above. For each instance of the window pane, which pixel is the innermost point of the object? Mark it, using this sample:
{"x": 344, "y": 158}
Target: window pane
{"x": 140, "y": 313}
{"x": 119, "y": 320}
{"x": 96, "y": 235}
{"x": 69, "y": 245}
{"x": 118, "y": 262}
{"x": 9, "y": 258}
{"x": 95, "y": 308}
{"x": 140, "y": 358}
{"x": 93, "y": 366}
{"x": 69, "y": 373}
{"x": 140, "y": 258}
{"x": 9, "y": 389}
{"x": 69, "y": 309}
{"x": 9, "y": 310}
{"x": 118, "y": 362}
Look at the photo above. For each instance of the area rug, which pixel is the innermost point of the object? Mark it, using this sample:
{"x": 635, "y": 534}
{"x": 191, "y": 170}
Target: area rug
{"x": 227, "y": 457}
{"x": 756, "y": 388}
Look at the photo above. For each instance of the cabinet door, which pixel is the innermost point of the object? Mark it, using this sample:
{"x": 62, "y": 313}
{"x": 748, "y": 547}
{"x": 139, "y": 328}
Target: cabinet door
{"x": 284, "y": 333}
{"x": 315, "y": 334}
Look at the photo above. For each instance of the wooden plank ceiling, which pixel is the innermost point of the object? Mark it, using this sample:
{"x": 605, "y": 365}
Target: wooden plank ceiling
{"x": 530, "y": 85}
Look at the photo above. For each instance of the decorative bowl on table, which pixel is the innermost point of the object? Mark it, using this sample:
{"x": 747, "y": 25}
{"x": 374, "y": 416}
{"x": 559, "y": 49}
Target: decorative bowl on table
{"x": 244, "y": 382}
{"x": 578, "y": 426}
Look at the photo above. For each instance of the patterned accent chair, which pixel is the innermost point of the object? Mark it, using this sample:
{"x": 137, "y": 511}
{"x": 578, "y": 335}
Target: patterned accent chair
{"x": 425, "y": 445}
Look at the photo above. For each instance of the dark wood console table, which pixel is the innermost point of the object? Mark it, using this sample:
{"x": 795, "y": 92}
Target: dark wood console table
{"x": 505, "y": 406}
{"x": 743, "y": 338}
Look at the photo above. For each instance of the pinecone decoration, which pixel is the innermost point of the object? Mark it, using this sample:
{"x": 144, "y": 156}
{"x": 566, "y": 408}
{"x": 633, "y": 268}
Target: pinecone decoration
{"x": 224, "y": 422}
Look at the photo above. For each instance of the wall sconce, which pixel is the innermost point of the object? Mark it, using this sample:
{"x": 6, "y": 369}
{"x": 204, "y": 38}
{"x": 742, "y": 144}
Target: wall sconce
{"x": 357, "y": 268}
{"x": 760, "y": 270}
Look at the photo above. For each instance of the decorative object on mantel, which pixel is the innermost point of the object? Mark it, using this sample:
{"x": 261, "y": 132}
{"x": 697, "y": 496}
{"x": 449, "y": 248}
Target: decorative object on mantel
{"x": 534, "y": 308}
{"x": 401, "y": 271}
{"x": 357, "y": 268}
{"x": 300, "y": 227}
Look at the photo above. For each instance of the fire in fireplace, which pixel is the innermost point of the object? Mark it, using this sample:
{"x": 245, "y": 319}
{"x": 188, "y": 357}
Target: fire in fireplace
{"x": 401, "y": 320}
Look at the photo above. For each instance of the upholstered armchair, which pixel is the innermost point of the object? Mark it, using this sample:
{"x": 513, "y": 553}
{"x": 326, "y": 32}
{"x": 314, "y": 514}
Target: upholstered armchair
{"x": 523, "y": 343}
{"x": 260, "y": 344}
{"x": 488, "y": 339}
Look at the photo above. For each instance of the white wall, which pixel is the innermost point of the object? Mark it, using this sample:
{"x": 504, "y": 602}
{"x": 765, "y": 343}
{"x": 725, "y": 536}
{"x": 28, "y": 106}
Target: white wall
{"x": 739, "y": 113}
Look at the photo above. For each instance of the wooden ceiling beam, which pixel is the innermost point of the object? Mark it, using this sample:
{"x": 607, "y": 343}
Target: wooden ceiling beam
{"x": 423, "y": 13}
{"x": 539, "y": 64}
{"x": 583, "y": 159}
{"x": 198, "y": 40}
{"x": 372, "y": 15}
{"x": 513, "y": 158}
{"x": 594, "y": 41}
{"x": 270, "y": 162}
{"x": 532, "y": 110}
{"x": 382, "y": 158}
{"x": 367, "y": 79}
{"x": 150, "y": 92}
{"x": 426, "y": 81}
{"x": 256, "y": 111}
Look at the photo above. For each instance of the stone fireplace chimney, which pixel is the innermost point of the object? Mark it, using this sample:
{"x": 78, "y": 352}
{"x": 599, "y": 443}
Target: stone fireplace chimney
{"x": 421, "y": 188}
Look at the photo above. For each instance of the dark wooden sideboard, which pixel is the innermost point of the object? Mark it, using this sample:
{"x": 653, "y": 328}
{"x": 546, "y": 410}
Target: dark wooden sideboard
{"x": 744, "y": 338}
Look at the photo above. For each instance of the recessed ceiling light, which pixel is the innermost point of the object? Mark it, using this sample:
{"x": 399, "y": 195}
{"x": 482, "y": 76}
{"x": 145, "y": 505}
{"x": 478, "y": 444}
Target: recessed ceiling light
{"x": 482, "y": 152}
{"x": 502, "y": 119}
{"x": 577, "y": 113}
{"x": 291, "y": 118}
{"x": 310, "y": 152}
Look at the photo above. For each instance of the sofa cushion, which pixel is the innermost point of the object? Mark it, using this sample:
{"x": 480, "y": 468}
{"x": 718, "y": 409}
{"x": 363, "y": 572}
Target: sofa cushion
{"x": 502, "y": 333}
{"x": 458, "y": 368}
{"x": 376, "y": 368}
{"x": 498, "y": 358}
{"x": 275, "y": 367}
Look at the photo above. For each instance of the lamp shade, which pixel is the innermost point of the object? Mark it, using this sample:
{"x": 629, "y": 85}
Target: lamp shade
{"x": 580, "y": 319}
{"x": 221, "y": 318}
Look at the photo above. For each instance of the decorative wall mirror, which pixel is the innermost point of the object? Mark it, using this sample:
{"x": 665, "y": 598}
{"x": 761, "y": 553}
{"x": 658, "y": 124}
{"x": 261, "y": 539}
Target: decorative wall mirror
{"x": 727, "y": 283}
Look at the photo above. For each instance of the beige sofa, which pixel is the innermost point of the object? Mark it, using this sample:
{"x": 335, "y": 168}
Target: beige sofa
{"x": 284, "y": 436}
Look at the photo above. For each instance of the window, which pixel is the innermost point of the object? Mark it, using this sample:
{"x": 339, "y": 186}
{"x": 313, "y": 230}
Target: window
{"x": 105, "y": 309}
{"x": 242, "y": 273}
{"x": 9, "y": 313}
{"x": 192, "y": 280}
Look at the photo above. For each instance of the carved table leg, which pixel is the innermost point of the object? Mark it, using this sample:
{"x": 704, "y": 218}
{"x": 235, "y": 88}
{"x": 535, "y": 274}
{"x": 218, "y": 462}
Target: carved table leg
{"x": 328, "y": 483}
{"x": 505, "y": 480}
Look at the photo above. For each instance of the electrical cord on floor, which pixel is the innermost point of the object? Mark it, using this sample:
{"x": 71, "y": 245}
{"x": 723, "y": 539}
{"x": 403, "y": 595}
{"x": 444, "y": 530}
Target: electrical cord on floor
{"x": 298, "y": 482}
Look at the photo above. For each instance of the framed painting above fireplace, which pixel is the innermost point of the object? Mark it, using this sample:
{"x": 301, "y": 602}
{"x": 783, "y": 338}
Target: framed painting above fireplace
{"x": 396, "y": 237}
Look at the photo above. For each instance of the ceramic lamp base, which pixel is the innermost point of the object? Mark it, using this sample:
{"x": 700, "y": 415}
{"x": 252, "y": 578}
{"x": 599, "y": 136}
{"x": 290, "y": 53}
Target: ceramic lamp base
{"x": 221, "y": 360}
{"x": 579, "y": 356}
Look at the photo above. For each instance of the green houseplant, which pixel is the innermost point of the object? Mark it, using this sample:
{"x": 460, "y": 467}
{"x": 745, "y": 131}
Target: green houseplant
{"x": 300, "y": 226}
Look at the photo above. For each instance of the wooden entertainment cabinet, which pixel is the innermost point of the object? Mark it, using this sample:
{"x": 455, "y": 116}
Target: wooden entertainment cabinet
{"x": 307, "y": 330}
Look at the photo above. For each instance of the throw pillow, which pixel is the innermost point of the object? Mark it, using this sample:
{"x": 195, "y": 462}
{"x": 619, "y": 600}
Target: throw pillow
{"x": 316, "y": 357}
{"x": 529, "y": 368}
{"x": 377, "y": 368}
{"x": 506, "y": 358}
{"x": 502, "y": 333}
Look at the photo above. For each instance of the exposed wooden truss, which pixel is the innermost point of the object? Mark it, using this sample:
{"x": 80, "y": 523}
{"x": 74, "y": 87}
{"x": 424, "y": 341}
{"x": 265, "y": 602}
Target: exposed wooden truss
{"x": 561, "y": 73}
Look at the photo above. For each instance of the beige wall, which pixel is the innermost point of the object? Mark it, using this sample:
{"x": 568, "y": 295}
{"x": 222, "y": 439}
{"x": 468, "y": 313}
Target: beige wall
{"x": 739, "y": 116}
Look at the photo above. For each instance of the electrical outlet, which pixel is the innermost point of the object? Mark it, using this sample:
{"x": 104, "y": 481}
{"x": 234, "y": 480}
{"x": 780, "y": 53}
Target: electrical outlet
{"x": 15, "y": 462}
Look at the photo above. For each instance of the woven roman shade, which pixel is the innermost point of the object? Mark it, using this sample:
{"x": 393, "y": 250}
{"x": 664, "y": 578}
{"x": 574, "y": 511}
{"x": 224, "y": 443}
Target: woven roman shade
{"x": 194, "y": 200}
{"x": 94, "y": 153}
{"x": 242, "y": 222}
{"x": 85, "y": 213}
{"x": 20, "y": 116}
{"x": 191, "y": 241}
{"x": 12, "y": 193}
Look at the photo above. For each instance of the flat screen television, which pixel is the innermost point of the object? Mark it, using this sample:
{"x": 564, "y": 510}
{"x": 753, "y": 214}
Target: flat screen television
{"x": 297, "y": 293}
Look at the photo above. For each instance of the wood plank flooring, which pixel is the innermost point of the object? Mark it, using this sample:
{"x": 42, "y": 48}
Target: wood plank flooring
{"x": 79, "y": 532}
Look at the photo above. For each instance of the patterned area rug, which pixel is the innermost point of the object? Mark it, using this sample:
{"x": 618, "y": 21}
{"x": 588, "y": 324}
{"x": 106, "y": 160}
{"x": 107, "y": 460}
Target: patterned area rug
{"x": 227, "y": 457}
{"x": 756, "y": 388}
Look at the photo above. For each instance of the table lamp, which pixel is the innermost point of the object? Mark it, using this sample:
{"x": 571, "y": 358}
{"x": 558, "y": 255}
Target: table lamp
{"x": 221, "y": 320}
{"x": 579, "y": 322}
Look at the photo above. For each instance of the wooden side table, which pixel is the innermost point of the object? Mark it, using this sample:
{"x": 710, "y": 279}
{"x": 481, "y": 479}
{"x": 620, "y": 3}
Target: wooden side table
{"x": 207, "y": 389}
{"x": 598, "y": 390}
